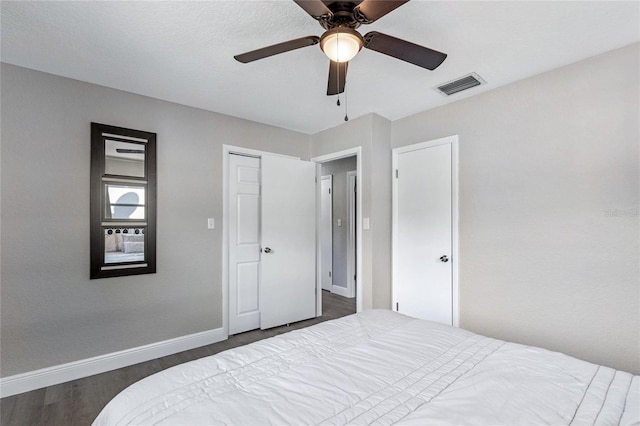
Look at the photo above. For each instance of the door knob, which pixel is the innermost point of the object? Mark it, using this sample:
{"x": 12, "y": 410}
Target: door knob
{"x": 267, "y": 250}
{"x": 444, "y": 258}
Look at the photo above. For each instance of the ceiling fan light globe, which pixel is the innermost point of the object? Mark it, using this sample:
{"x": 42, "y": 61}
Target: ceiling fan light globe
{"x": 341, "y": 44}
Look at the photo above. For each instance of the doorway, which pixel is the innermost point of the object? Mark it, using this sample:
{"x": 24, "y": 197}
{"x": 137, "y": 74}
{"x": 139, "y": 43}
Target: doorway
{"x": 337, "y": 225}
{"x": 425, "y": 223}
{"x": 344, "y": 253}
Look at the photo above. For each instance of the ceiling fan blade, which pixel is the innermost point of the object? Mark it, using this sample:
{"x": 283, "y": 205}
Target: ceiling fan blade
{"x": 404, "y": 50}
{"x": 277, "y": 48}
{"x": 316, "y": 8}
{"x": 371, "y": 10}
{"x": 337, "y": 77}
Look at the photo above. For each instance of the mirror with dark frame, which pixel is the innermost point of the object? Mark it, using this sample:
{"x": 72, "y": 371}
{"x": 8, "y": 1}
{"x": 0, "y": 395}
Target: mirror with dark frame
{"x": 123, "y": 201}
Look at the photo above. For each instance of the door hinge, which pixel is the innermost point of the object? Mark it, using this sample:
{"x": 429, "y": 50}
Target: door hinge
{"x": 329, "y": 273}
{"x": 397, "y": 307}
{"x": 329, "y": 190}
{"x": 396, "y": 173}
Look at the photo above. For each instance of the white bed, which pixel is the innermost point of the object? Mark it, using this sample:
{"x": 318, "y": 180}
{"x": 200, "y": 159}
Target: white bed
{"x": 380, "y": 367}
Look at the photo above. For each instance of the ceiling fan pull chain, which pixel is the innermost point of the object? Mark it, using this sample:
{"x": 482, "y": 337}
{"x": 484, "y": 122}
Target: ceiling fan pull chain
{"x": 338, "y": 73}
{"x": 346, "y": 116}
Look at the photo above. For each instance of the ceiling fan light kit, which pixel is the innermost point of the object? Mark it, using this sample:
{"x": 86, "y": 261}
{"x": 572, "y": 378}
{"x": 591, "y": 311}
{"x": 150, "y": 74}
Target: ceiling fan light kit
{"x": 341, "y": 42}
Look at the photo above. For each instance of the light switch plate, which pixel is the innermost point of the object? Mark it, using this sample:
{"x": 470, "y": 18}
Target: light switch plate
{"x": 365, "y": 223}
{"x": 211, "y": 223}
{"x": 339, "y": 222}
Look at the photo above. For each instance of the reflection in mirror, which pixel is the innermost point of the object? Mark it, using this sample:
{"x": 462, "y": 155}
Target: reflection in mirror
{"x": 124, "y": 158}
{"x": 123, "y": 201}
{"x": 123, "y": 245}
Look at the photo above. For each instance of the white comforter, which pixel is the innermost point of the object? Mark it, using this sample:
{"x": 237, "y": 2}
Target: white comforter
{"x": 383, "y": 368}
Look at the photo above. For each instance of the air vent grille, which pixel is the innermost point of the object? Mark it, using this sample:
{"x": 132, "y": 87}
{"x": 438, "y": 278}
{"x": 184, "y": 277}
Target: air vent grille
{"x": 460, "y": 84}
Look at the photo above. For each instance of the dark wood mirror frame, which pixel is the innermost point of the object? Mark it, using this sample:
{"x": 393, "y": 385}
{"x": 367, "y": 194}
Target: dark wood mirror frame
{"x": 137, "y": 256}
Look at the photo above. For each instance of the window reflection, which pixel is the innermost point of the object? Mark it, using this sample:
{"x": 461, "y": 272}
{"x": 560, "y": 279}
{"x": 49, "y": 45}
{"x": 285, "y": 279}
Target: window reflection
{"x": 125, "y": 202}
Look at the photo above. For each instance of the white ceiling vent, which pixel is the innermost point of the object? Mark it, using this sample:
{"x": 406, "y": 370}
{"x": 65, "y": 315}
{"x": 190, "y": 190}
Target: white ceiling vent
{"x": 459, "y": 84}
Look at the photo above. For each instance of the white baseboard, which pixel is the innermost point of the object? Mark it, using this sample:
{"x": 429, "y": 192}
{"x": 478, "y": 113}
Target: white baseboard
{"x": 37, "y": 379}
{"x": 340, "y": 291}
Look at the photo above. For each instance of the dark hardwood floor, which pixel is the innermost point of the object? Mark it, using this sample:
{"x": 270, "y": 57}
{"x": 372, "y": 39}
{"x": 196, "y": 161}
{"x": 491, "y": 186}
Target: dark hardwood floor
{"x": 78, "y": 402}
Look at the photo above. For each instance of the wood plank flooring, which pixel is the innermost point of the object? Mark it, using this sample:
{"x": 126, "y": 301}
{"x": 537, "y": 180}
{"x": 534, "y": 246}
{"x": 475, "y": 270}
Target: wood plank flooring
{"x": 78, "y": 403}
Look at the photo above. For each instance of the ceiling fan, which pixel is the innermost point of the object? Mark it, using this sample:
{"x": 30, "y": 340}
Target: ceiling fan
{"x": 341, "y": 42}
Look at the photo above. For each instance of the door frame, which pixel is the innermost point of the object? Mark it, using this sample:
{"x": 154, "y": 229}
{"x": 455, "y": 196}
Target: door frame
{"x": 226, "y": 151}
{"x": 357, "y": 152}
{"x": 351, "y": 241}
{"x": 455, "y": 254}
{"x": 330, "y": 236}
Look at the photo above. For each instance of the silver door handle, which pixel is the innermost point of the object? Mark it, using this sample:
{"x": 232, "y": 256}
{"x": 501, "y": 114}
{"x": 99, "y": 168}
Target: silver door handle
{"x": 444, "y": 258}
{"x": 267, "y": 250}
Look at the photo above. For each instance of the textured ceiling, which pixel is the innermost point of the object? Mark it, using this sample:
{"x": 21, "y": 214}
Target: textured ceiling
{"x": 183, "y": 51}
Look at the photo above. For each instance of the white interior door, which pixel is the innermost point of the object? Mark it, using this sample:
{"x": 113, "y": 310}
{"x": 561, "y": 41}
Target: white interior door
{"x": 288, "y": 285}
{"x": 244, "y": 243}
{"x": 326, "y": 232}
{"x": 422, "y": 267}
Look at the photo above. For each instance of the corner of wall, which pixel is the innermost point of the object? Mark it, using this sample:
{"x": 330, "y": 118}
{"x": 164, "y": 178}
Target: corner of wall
{"x": 381, "y": 210}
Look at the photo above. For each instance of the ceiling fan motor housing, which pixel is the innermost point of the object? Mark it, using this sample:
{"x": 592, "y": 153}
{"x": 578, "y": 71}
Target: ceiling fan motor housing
{"x": 343, "y": 14}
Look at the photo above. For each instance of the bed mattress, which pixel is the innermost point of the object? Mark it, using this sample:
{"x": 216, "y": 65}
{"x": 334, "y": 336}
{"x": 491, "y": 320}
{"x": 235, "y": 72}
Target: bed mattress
{"x": 380, "y": 367}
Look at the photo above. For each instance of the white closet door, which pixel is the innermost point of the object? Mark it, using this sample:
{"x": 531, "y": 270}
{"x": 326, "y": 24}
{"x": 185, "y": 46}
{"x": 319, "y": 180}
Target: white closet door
{"x": 244, "y": 243}
{"x": 288, "y": 284}
{"x": 422, "y": 270}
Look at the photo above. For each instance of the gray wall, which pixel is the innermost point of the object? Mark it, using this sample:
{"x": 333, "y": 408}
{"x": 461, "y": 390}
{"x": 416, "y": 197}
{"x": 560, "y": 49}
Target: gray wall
{"x": 376, "y": 163}
{"x": 381, "y": 202}
{"x": 549, "y": 197}
{"x": 549, "y": 229}
{"x": 51, "y": 312}
{"x": 340, "y": 203}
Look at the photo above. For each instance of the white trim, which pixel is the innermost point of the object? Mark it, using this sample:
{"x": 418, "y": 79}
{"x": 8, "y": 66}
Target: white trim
{"x": 50, "y": 376}
{"x": 230, "y": 149}
{"x": 455, "y": 254}
{"x": 340, "y": 291}
{"x": 338, "y": 155}
{"x": 351, "y": 243}
{"x": 320, "y": 236}
{"x": 357, "y": 151}
{"x": 318, "y": 245}
{"x": 422, "y": 145}
{"x": 454, "y": 231}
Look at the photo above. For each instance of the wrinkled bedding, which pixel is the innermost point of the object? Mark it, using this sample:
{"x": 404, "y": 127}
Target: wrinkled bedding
{"x": 380, "y": 367}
